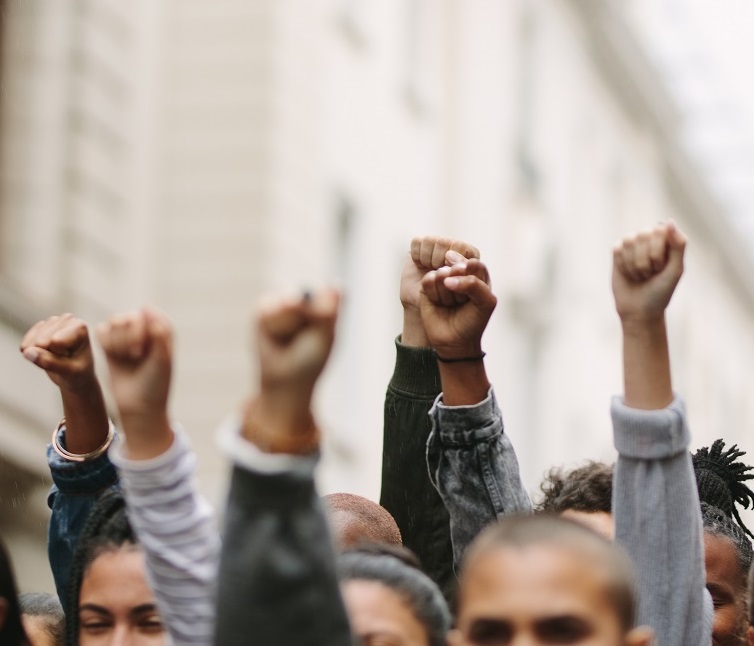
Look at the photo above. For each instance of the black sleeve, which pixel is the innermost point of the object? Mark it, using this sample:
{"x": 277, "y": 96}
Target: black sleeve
{"x": 407, "y": 491}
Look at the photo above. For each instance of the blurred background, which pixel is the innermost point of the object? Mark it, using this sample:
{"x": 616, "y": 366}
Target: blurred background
{"x": 198, "y": 154}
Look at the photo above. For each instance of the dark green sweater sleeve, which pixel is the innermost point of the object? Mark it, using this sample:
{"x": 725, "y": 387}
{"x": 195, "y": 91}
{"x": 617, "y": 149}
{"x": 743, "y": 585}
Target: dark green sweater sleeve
{"x": 407, "y": 491}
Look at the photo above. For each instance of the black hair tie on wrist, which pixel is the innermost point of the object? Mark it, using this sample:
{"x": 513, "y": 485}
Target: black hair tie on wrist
{"x": 460, "y": 359}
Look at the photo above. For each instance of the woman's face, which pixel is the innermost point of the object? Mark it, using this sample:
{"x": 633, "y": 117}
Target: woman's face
{"x": 379, "y": 617}
{"x": 116, "y": 605}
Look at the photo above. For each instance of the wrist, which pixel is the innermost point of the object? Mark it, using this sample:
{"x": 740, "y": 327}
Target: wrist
{"x": 458, "y": 353}
{"x": 146, "y": 435}
{"x": 463, "y": 383}
{"x": 276, "y": 424}
{"x": 642, "y": 325}
{"x": 413, "y": 333}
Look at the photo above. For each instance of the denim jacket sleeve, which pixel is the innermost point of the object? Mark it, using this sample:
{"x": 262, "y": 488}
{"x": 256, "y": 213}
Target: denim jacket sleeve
{"x": 658, "y": 521}
{"x": 75, "y": 487}
{"x": 474, "y": 468}
{"x": 407, "y": 491}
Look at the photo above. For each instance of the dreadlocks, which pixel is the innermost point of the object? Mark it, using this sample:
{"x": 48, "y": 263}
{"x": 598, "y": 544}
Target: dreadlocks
{"x": 107, "y": 529}
{"x": 721, "y": 479}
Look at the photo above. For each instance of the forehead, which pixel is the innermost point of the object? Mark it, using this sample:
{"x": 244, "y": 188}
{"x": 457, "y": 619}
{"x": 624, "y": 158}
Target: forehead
{"x": 116, "y": 578}
{"x": 721, "y": 560}
{"x": 535, "y": 582}
{"x": 376, "y": 612}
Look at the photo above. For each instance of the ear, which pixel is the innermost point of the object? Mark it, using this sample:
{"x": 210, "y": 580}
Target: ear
{"x": 641, "y": 636}
{"x": 750, "y": 635}
{"x": 3, "y": 611}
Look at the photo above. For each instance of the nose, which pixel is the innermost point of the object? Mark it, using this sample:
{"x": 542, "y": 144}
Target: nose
{"x": 122, "y": 637}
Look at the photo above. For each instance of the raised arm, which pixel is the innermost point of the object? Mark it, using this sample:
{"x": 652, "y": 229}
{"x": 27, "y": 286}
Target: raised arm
{"x": 277, "y": 575}
{"x": 407, "y": 491}
{"x": 655, "y": 500}
{"x": 471, "y": 460}
{"x": 174, "y": 525}
{"x": 77, "y": 457}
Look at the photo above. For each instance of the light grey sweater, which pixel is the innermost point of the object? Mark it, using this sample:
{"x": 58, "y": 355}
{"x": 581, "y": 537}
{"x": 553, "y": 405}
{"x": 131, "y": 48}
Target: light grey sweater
{"x": 659, "y": 523}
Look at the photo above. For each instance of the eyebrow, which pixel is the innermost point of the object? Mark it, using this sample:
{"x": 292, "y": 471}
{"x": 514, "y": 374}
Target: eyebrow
{"x": 143, "y": 609}
{"x": 93, "y": 607}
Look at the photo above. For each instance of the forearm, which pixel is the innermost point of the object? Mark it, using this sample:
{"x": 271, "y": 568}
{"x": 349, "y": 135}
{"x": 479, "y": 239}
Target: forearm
{"x": 277, "y": 572}
{"x": 407, "y": 491}
{"x": 475, "y": 469}
{"x": 86, "y": 418}
{"x": 464, "y": 383}
{"x": 76, "y": 487}
{"x": 646, "y": 365}
{"x": 180, "y": 539}
{"x": 658, "y": 521}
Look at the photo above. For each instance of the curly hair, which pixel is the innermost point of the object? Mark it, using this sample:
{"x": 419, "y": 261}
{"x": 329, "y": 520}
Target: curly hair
{"x": 587, "y": 488}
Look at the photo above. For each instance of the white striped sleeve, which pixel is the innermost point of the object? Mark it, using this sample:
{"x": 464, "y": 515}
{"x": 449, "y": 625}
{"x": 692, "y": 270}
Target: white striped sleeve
{"x": 177, "y": 530}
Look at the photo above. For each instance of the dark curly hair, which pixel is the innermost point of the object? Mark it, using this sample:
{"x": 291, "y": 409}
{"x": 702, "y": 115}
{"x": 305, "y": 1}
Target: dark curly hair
{"x": 587, "y": 488}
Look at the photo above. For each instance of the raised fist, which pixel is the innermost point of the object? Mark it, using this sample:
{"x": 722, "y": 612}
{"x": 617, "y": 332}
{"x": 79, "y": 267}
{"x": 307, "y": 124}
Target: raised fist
{"x": 60, "y": 346}
{"x": 455, "y": 325}
{"x": 646, "y": 270}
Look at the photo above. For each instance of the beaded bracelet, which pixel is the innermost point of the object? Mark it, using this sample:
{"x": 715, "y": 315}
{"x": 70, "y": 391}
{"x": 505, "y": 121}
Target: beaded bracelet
{"x": 80, "y": 457}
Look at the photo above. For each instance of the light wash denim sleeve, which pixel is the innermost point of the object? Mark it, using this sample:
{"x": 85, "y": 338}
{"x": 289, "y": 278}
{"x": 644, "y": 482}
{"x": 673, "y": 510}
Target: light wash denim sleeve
{"x": 473, "y": 466}
{"x": 659, "y": 523}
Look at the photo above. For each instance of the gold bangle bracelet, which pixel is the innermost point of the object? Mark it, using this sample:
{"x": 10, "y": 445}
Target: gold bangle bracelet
{"x": 81, "y": 457}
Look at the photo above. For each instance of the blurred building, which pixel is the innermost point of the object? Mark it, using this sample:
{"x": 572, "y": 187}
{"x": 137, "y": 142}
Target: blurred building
{"x": 197, "y": 155}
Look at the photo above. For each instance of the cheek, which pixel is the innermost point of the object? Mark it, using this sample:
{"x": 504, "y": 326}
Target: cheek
{"x": 728, "y": 619}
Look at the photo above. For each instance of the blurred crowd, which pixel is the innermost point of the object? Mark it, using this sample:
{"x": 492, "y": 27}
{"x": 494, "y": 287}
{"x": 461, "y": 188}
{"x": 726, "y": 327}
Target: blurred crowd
{"x": 651, "y": 549}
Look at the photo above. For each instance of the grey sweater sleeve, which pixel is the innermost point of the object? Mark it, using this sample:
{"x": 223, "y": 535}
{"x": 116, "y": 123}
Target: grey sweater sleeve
{"x": 177, "y": 530}
{"x": 658, "y": 521}
{"x": 473, "y": 465}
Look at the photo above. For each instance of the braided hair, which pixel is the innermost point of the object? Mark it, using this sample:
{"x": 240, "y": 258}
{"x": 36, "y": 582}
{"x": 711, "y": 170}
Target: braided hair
{"x": 107, "y": 529}
{"x": 721, "y": 480}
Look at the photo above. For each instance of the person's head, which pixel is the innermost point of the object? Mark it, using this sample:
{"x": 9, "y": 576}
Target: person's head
{"x": 728, "y": 557}
{"x": 583, "y": 494}
{"x": 43, "y": 618}
{"x": 390, "y": 600}
{"x": 109, "y": 597}
{"x": 721, "y": 481}
{"x": 356, "y": 520}
{"x": 11, "y": 629}
{"x": 546, "y": 580}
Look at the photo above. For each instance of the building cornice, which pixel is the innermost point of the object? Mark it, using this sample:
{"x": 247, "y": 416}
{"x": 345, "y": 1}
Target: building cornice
{"x": 634, "y": 80}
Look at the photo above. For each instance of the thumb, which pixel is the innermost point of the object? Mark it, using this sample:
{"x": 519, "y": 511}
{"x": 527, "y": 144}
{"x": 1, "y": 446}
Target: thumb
{"x": 160, "y": 334}
{"x": 676, "y": 246}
